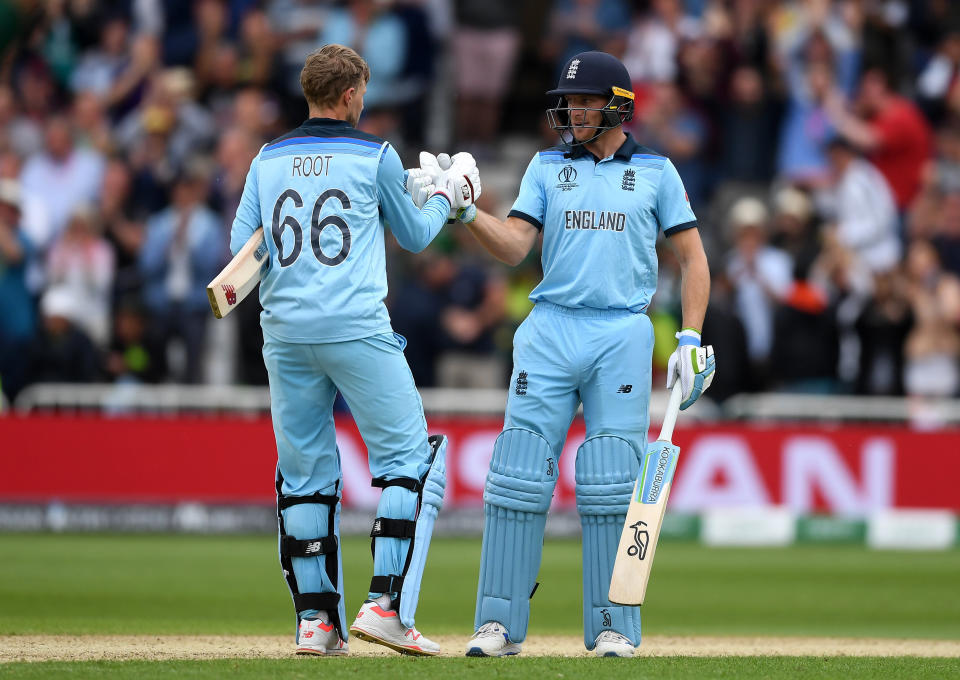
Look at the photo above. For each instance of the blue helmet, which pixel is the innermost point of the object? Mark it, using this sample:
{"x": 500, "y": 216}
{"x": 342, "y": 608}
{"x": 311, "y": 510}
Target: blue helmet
{"x": 593, "y": 73}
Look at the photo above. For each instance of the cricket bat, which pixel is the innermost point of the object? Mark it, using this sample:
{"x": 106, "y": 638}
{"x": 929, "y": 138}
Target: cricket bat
{"x": 240, "y": 276}
{"x": 638, "y": 542}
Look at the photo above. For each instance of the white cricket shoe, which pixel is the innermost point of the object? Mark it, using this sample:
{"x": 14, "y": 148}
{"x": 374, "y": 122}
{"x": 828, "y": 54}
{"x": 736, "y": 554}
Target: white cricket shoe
{"x": 376, "y": 622}
{"x": 610, "y": 643}
{"x": 492, "y": 639}
{"x": 320, "y": 638}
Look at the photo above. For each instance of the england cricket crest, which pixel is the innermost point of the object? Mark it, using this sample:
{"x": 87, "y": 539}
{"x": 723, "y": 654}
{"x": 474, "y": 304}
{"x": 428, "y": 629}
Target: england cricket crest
{"x": 231, "y": 293}
{"x": 641, "y": 538}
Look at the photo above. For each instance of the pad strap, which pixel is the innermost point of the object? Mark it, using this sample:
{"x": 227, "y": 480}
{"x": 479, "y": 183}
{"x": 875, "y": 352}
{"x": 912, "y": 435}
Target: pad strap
{"x": 386, "y": 584}
{"x": 387, "y": 527}
{"x": 413, "y": 485}
{"x": 328, "y": 602}
{"x": 284, "y": 502}
{"x": 310, "y": 547}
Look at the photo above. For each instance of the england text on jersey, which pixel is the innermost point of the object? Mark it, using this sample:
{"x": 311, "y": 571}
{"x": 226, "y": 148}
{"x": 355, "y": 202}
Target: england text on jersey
{"x": 594, "y": 219}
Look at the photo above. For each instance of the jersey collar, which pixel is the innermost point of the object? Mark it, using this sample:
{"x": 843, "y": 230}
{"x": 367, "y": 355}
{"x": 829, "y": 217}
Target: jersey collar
{"x": 325, "y": 122}
{"x": 624, "y": 153}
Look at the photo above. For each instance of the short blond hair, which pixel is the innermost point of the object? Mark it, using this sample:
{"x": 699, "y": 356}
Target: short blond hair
{"x": 329, "y": 72}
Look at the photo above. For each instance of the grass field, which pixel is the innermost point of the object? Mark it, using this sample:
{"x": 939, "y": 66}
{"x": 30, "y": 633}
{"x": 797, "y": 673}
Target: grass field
{"x": 217, "y": 585}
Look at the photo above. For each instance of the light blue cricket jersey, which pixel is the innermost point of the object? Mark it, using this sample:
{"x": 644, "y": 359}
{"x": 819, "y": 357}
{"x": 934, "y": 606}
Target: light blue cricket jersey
{"x": 324, "y": 193}
{"x": 600, "y": 222}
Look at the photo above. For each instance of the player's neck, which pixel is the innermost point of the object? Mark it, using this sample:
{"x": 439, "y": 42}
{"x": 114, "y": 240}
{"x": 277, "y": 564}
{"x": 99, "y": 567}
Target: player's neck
{"x": 607, "y": 143}
{"x": 336, "y": 113}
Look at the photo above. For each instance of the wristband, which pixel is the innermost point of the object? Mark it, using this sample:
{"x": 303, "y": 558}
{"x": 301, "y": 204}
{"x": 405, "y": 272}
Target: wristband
{"x": 688, "y": 336}
{"x": 468, "y": 214}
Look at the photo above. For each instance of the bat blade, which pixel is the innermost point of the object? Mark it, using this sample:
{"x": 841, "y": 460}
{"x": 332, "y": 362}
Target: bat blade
{"x": 641, "y": 530}
{"x": 240, "y": 276}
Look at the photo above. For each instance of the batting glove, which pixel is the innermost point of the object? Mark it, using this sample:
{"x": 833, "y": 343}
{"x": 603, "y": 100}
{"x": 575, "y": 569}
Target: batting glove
{"x": 420, "y": 186}
{"x": 692, "y": 364}
{"x": 457, "y": 177}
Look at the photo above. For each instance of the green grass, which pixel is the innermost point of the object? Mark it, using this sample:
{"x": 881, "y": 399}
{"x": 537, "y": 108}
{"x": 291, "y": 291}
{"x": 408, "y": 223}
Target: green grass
{"x": 140, "y": 584}
{"x": 395, "y": 668}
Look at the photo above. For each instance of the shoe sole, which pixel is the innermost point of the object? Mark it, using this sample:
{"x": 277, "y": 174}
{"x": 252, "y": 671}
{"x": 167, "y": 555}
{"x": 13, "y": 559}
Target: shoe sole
{"x": 476, "y": 651}
{"x": 304, "y": 651}
{"x": 370, "y": 637}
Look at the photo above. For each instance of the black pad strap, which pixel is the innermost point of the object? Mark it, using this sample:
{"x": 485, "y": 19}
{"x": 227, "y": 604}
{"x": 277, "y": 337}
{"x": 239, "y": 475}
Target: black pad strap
{"x": 284, "y": 502}
{"x": 413, "y": 485}
{"x": 387, "y": 527}
{"x": 329, "y": 602}
{"x": 536, "y": 585}
{"x": 310, "y": 547}
{"x": 386, "y": 584}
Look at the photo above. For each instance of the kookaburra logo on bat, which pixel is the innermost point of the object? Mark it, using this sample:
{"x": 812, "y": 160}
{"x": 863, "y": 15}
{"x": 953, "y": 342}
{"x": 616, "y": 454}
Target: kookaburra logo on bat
{"x": 641, "y": 538}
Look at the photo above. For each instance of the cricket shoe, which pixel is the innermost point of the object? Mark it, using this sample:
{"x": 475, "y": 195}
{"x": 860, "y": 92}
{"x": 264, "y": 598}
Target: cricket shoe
{"x": 320, "y": 638}
{"x": 492, "y": 639}
{"x": 610, "y": 643}
{"x": 376, "y": 622}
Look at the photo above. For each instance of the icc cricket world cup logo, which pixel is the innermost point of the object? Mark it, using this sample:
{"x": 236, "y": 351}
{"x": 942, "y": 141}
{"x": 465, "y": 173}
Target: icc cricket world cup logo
{"x": 641, "y": 538}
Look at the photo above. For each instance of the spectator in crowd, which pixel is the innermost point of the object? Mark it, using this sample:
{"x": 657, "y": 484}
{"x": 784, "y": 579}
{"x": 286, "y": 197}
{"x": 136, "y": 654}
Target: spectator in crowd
{"x": 793, "y": 228}
{"x": 805, "y": 338}
{"x": 17, "y": 320}
{"x": 882, "y": 328}
{"x": 62, "y": 352}
{"x": 747, "y": 124}
{"x": 933, "y": 346}
{"x": 806, "y": 127}
{"x": 939, "y": 76}
{"x": 66, "y": 176}
{"x": 583, "y": 25}
{"x": 485, "y": 46}
{"x": 130, "y": 358}
{"x": 184, "y": 249}
{"x": 99, "y": 68}
{"x": 122, "y": 227}
{"x": 654, "y": 43}
{"x": 760, "y": 276}
{"x": 378, "y": 35}
{"x": 82, "y": 264}
{"x": 890, "y": 130}
{"x": 863, "y": 208}
{"x": 34, "y": 222}
{"x": 170, "y": 111}
{"x": 671, "y": 127}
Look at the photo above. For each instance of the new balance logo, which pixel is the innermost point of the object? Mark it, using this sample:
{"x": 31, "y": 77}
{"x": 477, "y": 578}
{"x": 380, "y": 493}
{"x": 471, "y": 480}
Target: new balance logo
{"x": 312, "y": 547}
{"x": 624, "y": 389}
{"x": 521, "y": 388}
{"x": 230, "y": 293}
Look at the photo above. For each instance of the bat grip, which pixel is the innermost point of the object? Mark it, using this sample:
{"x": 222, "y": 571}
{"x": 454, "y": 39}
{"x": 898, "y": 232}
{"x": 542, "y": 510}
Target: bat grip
{"x": 670, "y": 416}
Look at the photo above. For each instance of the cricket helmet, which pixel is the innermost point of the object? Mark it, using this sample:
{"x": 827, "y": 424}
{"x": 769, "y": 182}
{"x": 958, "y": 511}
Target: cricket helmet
{"x": 596, "y": 73}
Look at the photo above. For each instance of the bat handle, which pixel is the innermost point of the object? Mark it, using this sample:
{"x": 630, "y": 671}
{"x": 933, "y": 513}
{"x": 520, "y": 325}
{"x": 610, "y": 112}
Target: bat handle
{"x": 670, "y": 417}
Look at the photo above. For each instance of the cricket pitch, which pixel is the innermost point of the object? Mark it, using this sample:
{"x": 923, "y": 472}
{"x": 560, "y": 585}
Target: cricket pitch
{"x": 168, "y": 647}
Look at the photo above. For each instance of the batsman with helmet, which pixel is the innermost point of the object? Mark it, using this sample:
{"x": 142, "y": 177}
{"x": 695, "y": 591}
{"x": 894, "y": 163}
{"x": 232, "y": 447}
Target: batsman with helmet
{"x": 600, "y": 200}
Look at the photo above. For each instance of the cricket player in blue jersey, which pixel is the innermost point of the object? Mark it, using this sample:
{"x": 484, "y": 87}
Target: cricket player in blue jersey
{"x": 600, "y": 200}
{"x": 325, "y": 193}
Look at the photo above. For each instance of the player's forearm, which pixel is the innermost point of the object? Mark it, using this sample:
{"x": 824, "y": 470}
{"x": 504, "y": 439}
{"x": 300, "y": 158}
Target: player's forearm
{"x": 694, "y": 290}
{"x": 508, "y": 245}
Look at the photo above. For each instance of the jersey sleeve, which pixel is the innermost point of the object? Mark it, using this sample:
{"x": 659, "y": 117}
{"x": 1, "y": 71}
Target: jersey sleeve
{"x": 413, "y": 227}
{"x": 531, "y": 203}
{"x": 673, "y": 207}
{"x": 248, "y": 212}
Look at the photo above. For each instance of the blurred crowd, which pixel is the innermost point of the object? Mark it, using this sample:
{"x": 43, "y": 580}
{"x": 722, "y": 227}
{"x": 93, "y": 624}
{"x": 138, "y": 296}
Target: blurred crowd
{"x": 819, "y": 142}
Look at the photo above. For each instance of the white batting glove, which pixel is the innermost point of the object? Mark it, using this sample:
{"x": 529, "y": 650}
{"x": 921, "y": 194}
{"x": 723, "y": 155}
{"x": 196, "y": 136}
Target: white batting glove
{"x": 458, "y": 177}
{"x": 420, "y": 186}
{"x": 462, "y": 179}
{"x": 692, "y": 364}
